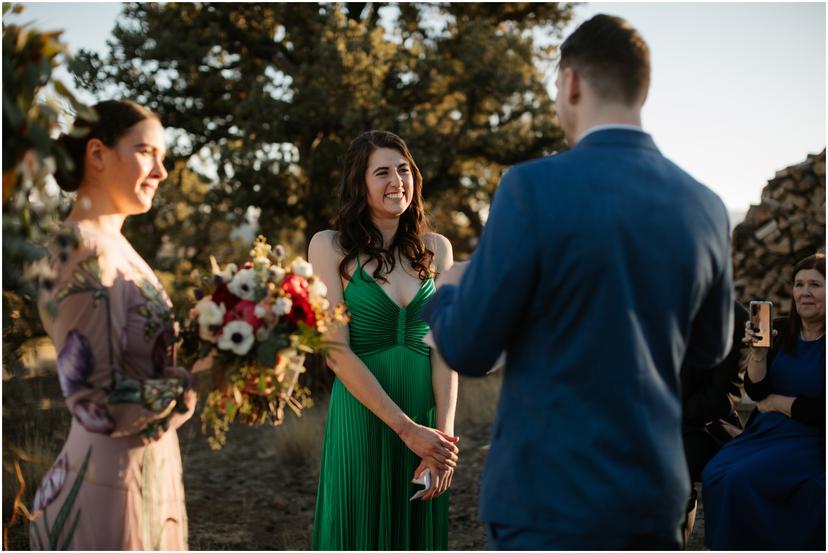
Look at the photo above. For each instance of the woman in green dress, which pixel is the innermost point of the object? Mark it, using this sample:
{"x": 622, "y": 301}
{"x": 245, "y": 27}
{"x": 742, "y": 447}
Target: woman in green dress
{"x": 391, "y": 414}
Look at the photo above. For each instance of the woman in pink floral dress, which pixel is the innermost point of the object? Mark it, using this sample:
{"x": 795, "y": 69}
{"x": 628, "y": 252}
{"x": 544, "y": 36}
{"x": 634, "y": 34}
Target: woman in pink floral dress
{"x": 117, "y": 483}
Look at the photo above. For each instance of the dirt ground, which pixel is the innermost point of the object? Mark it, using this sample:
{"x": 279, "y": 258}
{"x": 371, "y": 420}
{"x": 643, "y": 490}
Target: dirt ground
{"x": 258, "y": 493}
{"x": 243, "y": 498}
{"x": 239, "y": 499}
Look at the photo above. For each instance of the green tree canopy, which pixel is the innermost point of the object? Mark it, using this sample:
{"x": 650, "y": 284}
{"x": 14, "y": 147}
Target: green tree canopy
{"x": 267, "y": 98}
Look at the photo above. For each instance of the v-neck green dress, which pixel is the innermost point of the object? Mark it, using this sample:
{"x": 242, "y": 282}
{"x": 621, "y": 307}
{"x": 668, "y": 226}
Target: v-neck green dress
{"x": 365, "y": 480}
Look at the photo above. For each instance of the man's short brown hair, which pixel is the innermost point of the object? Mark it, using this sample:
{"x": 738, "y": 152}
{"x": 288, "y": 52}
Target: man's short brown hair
{"x": 611, "y": 56}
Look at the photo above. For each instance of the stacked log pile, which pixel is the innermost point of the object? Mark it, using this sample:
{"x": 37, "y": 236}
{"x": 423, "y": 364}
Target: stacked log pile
{"x": 788, "y": 225}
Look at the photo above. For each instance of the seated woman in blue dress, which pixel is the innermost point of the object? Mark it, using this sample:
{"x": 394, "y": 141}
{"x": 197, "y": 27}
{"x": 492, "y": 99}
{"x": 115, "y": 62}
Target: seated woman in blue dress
{"x": 765, "y": 489}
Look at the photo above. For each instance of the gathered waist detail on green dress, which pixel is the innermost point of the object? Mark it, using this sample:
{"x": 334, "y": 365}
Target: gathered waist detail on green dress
{"x": 378, "y": 323}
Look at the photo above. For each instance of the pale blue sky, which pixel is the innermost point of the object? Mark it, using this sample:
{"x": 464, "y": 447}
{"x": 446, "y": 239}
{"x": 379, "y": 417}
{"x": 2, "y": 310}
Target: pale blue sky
{"x": 737, "y": 92}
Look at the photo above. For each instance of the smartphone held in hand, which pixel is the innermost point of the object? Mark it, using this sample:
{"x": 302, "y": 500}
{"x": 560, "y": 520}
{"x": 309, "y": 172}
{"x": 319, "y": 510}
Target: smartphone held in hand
{"x": 761, "y": 317}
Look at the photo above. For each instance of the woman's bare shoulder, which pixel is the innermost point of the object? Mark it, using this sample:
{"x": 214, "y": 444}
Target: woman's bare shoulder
{"x": 327, "y": 239}
{"x": 441, "y": 246}
{"x": 435, "y": 240}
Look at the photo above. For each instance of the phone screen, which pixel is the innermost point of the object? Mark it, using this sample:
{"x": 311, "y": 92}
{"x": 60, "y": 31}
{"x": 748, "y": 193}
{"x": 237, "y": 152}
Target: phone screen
{"x": 760, "y": 317}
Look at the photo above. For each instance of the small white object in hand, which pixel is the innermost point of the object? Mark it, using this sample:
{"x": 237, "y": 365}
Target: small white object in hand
{"x": 423, "y": 480}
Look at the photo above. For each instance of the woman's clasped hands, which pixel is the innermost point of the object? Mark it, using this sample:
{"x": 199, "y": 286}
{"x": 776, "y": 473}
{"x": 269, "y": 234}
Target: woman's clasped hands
{"x": 438, "y": 452}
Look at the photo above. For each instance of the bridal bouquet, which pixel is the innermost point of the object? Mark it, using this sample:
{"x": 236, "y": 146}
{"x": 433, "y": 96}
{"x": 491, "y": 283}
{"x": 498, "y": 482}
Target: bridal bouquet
{"x": 257, "y": 322}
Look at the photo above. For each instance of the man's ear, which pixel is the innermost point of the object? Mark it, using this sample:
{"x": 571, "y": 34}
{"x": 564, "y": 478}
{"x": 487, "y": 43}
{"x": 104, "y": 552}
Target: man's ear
{"x": 572, "y": 86}
{"x": 95, "y": 154}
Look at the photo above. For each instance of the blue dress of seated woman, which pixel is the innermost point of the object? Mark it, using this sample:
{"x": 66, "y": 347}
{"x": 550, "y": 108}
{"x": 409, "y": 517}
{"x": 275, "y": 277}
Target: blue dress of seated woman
{"x": 765, "y": 489}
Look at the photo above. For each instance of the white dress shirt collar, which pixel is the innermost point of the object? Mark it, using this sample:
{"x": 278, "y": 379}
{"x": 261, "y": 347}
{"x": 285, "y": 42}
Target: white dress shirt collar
{"x": 597, "y": 128}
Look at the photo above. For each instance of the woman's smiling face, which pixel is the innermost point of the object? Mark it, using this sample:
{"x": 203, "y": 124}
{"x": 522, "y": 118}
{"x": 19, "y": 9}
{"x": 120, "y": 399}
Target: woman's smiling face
{"x": 134, "y": 167}
{"x": 389, "y": 183}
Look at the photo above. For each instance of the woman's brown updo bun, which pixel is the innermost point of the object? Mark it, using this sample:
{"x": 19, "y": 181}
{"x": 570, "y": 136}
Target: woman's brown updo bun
{"x": 115, "y": 118}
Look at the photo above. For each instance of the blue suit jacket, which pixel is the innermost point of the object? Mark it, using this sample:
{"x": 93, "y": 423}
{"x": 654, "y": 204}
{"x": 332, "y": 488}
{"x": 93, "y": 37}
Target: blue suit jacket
{"x": 599, "y": 271}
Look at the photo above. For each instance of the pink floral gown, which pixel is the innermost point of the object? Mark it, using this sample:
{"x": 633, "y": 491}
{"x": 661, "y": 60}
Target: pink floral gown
{"x": 117, "y": 483}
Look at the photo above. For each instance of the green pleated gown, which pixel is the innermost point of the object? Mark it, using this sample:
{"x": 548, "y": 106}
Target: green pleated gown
{"x": 365, "y": 480}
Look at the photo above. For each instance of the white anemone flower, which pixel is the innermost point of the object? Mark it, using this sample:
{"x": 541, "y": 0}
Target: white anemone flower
{"x": 301, "y": 268}
{"x": 237, "y": 337}
{"x": 209, "y": 312}
{"x": 243, "y": 284}
{"x": 282, "y": 306}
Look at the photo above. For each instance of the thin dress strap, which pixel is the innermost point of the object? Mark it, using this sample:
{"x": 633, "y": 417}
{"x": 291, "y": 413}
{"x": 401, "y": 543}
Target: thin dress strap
{"x": 359, "y": 272}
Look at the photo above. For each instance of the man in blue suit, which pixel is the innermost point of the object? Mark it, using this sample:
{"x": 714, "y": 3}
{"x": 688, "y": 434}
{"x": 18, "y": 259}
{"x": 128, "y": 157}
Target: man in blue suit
{"x": 600, "y": 271}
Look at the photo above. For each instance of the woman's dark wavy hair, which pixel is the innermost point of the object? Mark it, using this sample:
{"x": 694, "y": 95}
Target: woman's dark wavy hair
{"x": 115, "y": 118}
{"x": 817, "y": 263}
{"x": 357, "y": 232}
